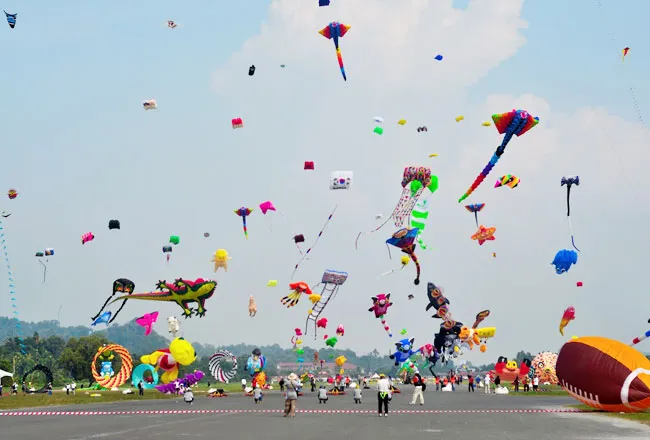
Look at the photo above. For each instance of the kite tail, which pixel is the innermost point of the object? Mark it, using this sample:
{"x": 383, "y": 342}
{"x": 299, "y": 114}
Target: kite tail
{"x": 12, "y": 290}
{"x": 572, "y": 239}
{"x": 340, "y": 58}
{"x": 476, "y": 218}
{"x": 295, "y": 269}
{"x": 386, "y": 326}
{"x": 416, "y": 281}
{"x": 245, "y": 228}
{"x": 568, "y": 205}
{"x": 44, "y": 270}
{"x": 481, "y": 177}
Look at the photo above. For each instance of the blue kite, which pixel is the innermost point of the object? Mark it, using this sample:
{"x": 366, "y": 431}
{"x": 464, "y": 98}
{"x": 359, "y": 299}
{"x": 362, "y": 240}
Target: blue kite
{"x": 563, "y": 260}
{"x": 11, "y": 19}
{"x": 323, "y": 2}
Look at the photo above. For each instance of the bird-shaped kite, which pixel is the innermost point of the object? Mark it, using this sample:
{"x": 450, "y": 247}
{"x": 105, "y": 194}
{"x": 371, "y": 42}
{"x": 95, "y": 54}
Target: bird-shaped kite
{"x": 515, "y": 122}
{"x": 568, "y": 316}
{"x": 220, "y": 259}
{"x": 507, "y": 180}
{"x": 147, "y": 321}
{"x": 104, "y": 318}
{"x": 297, "y": 290}
{"x": 475, "y": 208}
{"x": 244, "y": 212}
{"x": 334, "y": 31}
{"x": 570, "y": 181}
{"x": 404, "y": 239}
{"x": 484, "y": 234}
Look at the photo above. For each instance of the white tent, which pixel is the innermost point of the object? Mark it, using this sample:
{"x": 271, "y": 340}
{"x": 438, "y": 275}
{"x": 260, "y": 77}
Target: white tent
{"x": 5, "y": 374}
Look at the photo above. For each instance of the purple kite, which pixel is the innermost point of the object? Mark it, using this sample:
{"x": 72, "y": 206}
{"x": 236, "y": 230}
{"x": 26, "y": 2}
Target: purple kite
{"x": 244, "y": 212}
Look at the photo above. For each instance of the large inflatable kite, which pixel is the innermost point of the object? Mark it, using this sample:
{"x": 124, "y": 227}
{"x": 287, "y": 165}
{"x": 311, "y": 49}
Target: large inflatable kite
{"x": 380, "y": 305}
{"x": 180, "y": 352}
{"x": 110, "y": 381}
{"x": 216, "y": 368}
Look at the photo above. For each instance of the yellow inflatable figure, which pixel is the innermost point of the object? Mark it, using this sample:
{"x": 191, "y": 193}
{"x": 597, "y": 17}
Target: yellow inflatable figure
{"x": 220, "y": 259}
{"x": 180, "y": 352}
{"x": 475, "y": 335}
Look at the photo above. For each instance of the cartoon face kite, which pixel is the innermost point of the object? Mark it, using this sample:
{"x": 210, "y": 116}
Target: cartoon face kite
{"x": 380, "y": 305}
{"x": 244, "y": 212}
{"x": 298, "y": 289}
{"x": 484, "y": 234}
{"x": 11, "y": 19}
{"x": 120, "y": 285}
{"x": 563, "y": 260}
{"x": 334, "y": 31}
{"x": 220, "y": 259}
{"x": 404, "y": 239}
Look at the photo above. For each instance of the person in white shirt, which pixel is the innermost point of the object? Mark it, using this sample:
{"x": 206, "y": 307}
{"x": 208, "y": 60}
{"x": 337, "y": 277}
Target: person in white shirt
{"x": 487, "y": 383}
{"x": 74, "y": 388}
{"x": 322, "y": 395}
{"x": 188, "y": 396}
{"x": 383, "y": 394}
{"x": 535, "y": 383}
{"x": 243, "y": 385}
{"x": 418, "y": 387}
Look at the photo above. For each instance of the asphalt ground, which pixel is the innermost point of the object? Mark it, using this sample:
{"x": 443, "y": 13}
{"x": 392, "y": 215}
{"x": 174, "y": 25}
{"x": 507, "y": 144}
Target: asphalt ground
{"x": 460, "y": 415}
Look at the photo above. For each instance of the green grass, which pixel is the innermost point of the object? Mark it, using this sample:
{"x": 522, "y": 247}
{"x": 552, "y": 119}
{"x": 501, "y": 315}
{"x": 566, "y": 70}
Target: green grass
{"x": 83, "y": 397}
{"x": 547, "y": 390}
{"x": 642, "y": 417}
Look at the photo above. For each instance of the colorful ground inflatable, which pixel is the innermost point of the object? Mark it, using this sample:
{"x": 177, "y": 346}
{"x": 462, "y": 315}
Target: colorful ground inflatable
{"x": 605, "y": 374}
{"x": 544, "y": 367}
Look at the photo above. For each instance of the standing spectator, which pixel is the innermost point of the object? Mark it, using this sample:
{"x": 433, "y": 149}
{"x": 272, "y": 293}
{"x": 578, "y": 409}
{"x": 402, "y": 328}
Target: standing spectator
{"x": 0, "y": 387}
{"x": 516, "y": 384}
{"x": 24, "y": 388}
{"x": 292, "y": 385}
{"x": 243, "y": 385}
{"x": 417, "y": 389}
{"x": 14, "y": 388}
{"x": 497, "y": 382}
{"x": 67, "y": 389}
{"x": 535, "y": 383}
{"x": 453, "y": 382}
{"x": 347, "y": 382}
{"x": 486, "y": 382}
{"x": 74, "y": 388}
{"x": 470, "y": 385}
{"x": 281, "y": 384}
{"x": 49, "y": 388}
{"x": 437, "y": 383}
{"x": 526, "y": 382}
{"x": 312, "y": 381}
{"x": 383, "y": 394}
{"x": 140, "y": 388}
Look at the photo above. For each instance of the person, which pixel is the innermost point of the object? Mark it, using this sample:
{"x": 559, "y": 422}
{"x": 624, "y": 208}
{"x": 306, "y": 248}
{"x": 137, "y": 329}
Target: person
{"x": 417, "y": 389}
{"x": 486, "y": 381}
{"x": 257, "y": 394}
{"x": 383, "y": 394}
{"x": 49, "y": 388}
{"x": 67, "y": 389}
{"x": 516, "y": 384}
{"x": 347, "y": 382}
{"x": 470, "y": 383}
{"x": 312, "y": 382}
{"x": 140, "y": 388}
{"x": 478, "y": 381}
{"x": 15, "y": 388}
{"x": 357, "y": 394}
{"x": 497, "y": 382}
{"x": 535, "y": 383}
{"x": 73, "y": 387}
{"x": 322, "y": 394}
{"x": 243, "y": 385}
{"x": 281, "y": 383}
{"x": 526, "y": 384}
{"x": 0, "y": 387}
{"x": 291, "y": 386}
{"x": 437, "y": 383}
{"x": 177, "y": 387}
{"x": 188, "y": 396}
{"x": 453, "y": 382}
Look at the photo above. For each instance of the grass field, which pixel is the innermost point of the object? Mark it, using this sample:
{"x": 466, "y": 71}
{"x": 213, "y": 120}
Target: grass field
{"x": 83, "y": 397}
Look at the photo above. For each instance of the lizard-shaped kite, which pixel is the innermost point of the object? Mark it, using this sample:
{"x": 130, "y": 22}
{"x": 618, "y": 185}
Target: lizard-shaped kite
{"x": 182, "y": 292}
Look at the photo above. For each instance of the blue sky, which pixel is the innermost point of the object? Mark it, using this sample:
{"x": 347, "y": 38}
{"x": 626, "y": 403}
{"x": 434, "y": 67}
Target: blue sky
{"x": 80, "y": 149}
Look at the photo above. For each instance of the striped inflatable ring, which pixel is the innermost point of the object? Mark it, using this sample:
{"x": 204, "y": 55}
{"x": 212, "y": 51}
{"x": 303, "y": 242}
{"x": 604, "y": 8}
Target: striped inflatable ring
{"x": 122, "y": 376}
{"x": 215, "y": 365}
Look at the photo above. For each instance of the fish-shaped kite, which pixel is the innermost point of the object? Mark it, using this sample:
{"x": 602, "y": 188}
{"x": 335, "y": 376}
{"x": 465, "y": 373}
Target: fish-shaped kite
{"x": 244, "y": 212}
{"x": 568, "y": 316}
{"x": 104, "y": 318}
{"x": 515, "y": 122}
{"x": 147, "y": 321}
{"x": 334, "y": 31}
{"x": 507, "y": 180}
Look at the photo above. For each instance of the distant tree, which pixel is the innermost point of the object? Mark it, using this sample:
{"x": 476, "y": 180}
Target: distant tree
{"x": 78, "y": 353}
{"x": 523, "y": 355}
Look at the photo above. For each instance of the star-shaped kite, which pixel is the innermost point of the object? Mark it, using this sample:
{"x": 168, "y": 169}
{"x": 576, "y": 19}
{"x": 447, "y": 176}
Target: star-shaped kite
{"x": 484, "y": 234}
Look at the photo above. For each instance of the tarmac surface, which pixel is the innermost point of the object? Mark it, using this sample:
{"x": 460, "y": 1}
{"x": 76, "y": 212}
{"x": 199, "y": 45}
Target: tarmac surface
{"x": 444, "y": 416}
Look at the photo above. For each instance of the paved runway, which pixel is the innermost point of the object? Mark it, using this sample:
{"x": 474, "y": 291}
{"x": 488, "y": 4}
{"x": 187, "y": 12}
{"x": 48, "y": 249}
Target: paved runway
{"x": 447, "y": 416}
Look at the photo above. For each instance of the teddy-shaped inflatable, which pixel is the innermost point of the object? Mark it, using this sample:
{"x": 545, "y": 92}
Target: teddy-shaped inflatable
{"x": 180, "y": 352}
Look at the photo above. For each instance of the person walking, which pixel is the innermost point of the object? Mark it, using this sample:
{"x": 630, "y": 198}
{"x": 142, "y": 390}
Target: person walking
{"x": 312, "y": 382}
{"x": 470, "y": 384}
{"x": 292, "y": 385}
{"x": 383, "y": 394}
{"x": 281, "y": 383}
{"x": 417, "y": 389}
{"x": 535, "y": 383}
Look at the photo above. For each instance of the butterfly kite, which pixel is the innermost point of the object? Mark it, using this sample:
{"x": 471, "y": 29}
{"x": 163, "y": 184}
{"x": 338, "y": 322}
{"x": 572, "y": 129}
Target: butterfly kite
{"x": 515, "y": 122}
{"x": 334, "y": 31}
{"x": 404, "y": 239}
{"x": 244, "y": 212}
{"x": 570, "y": 181}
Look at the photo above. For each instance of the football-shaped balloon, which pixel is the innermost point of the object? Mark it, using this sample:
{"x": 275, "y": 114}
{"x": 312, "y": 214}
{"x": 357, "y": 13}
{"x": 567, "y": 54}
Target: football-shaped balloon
{"x": 605, "y": 374}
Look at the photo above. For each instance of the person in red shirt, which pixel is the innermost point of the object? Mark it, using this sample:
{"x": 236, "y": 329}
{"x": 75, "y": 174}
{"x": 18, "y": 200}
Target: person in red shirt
{"x": 470, "y": 386}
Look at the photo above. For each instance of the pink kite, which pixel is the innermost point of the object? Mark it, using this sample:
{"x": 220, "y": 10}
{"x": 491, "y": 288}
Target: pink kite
{"x": 237, "y": 123}
{"x": 267, "y": 206}
{"x": 340, "y": 330}
{"x": 322, "y": 323}
{"x": 380, "y": 305}
{"x": 147, "y": 321}
{"x": 88, "y": 236}
{"x": 568, "y": 316}
{"x": 309, "y": 165}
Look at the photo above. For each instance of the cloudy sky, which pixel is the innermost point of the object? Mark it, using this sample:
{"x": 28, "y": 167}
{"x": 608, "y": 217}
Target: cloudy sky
{"x": 81, "y": 150}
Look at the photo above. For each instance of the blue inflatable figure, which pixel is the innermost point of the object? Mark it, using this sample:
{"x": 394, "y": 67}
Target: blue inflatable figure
{"x": 107, "y": 369}
{"x": 404, "y": 351}
{"x": 563, "y": 260}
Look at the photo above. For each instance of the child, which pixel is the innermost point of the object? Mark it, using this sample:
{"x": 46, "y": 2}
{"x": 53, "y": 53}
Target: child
{"x": 322, "y": 394}
{"x": 357, "y": 395}
{"x": 188, "y": 396}
{"x": 258, "y": 395}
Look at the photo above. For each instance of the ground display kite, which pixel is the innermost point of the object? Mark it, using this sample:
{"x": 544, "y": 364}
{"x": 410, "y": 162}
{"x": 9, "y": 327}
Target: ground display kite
{"x": 216, "y": 368}
{"x": 515, "y": 122}
{"x": 244, "y": 212}
{"x": 180, "y": 352}
{"x": 332, "y": 280}
{"x": 380, "y": 305}
{"x": 404, "y": 239}
{"x": 139, "y": 375}
{"x": 108, "y": 380}
{"x": 334, "y": 31}
{"x": 569, "y": 181}
{"x": 255, "y": 367}
{"x": 120, "y": 285}
{"x": 49, "y": 377}
{"x": 182, "y": 292}
{"x": 186, "y": 382}
{"x": 568, "y": 316}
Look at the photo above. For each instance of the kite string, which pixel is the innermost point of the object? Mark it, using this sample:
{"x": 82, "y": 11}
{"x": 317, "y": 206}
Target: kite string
{"x": 295, "y": 269}
{"x": 12, "y": 288}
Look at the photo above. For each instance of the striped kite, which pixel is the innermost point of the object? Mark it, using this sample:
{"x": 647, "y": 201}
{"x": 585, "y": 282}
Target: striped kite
{"x": 334, "y": 31}
{"x": 11, "y": 19}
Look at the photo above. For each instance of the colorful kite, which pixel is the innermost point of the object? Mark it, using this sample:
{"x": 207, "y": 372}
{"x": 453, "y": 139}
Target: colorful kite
{"x": 87, "y": 237}
{"x": 563, "y": 260}
{"x": 404, "y": 239}
{"x": 11, "y": 19}
{"x": 147, "y": 321}
{"x": 568, "y": 316}
{"x": 12, "y": 194}
{"x": 418, "y": 217}
{"x": 244, "y": 212}
{"x": 315, "y": 241}
{"x": 484, "y": 234}
{"x": 332, "y": 280}
{"x": 217, "y": 370}
{"x": 507, "y": 180}
{"x": 237, "y": 123}
{"x": 121, "y": 285}
{"x": 220, "y": 259}
{"x": 334, "y": 31}
{"x": 297, "y": 290}
{"x": 625, "y": 51}
{"x": 570, "y": 181}
{"x": 516, "y": 122}
{"x": 380, "y": 305}
{"x": 341, "y": 180}
{"x": 267, "y": 206}
{"x": 475, "y": 208}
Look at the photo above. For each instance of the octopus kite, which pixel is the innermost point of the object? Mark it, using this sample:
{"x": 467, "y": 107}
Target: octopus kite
{"x": 334, "y": 31}
{"x": 298, "y": 289}
{"x": 515, "y": 122}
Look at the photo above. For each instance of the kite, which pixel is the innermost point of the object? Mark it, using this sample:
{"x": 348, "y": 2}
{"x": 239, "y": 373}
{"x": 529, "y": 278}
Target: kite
{"x": 11, "y": 19}
{"x": 251, "y": 70}
{"x": 315, "y": 241}
{"x": 216, "y": 369}
{"x": 87, "y": 237}
{"x": 475, "y": 208}
{"x": 113, "y": 224}
{"x": 255, "y": 366}
{"x": 138, "y": 373}
{"x": 206, "y": 234}
{"x": 418, "y": 216}
{"x": 569, "y": 181}
{"x": 252, "y": 306}
{"x": 173, "y": 326}
{"x": 147, "y": 321}
{"x": 568, "y": 316}
{"x": 403, "y": 351}
{"x": 438, "y": 57}
{"x": 563, "y": 260}
{"x": 150, "y": 104}
{"x": 460, "y": 118}
{"x": 180, "y": 352}
{"x": 244, "y": 212}
{"x": 49, "y": 252}
{"x": 405, "y": 260}
{"x": 121, "y": 285}
{"x": 486, "y": 123}
{"x": 220, "y": 259}
{"x": 625, "y": 50}
{"x": 507, "y": 180}
{"x": 309, "y": 165}
{"x": 322, "y": 323}
{"x": 378, "y": 130}
{"x": 171, "y": 24}
{"x": 404, "y": 240}
{"x": 182, "y": 292}
{"x": 640, "y": 338}
{"x": 515, "y": 122}
{"x": 332, "y": 280}
{"x": 4, "y": 213}
{"x": 116, "y": 380}
{"x": 414, "y": 180}
{"x": 437, "y": 300}
{"x": 340, "y": 330}
{"x": 104, "y": 318}
{"x": 12, "y": 194}
{"x": 484, "y": 234}
{"x": 380, "y": 305}
{"x": 341, "y": 180}
{"x": 267, "y": 206}
{"x": 334, "y": 31}
{"x": 421, "y": 129}
{"x": 272, "y": 283}
{"x": 297, "y": 290}
{"x": 378, "y": 119}
{"x": 331, "y": 342}
{"x": 174, "y": 239}
{"x": 402, "y": 122}
{"x": 237, "y": 123}
{"x": 187, "y": 381}
{"x": 579, "y": 284}
{"x": 323, "y": 2}
{"x": 49, "y": 378}
{"x": 299, "y": 239}
{"x": 480, "y": 317}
